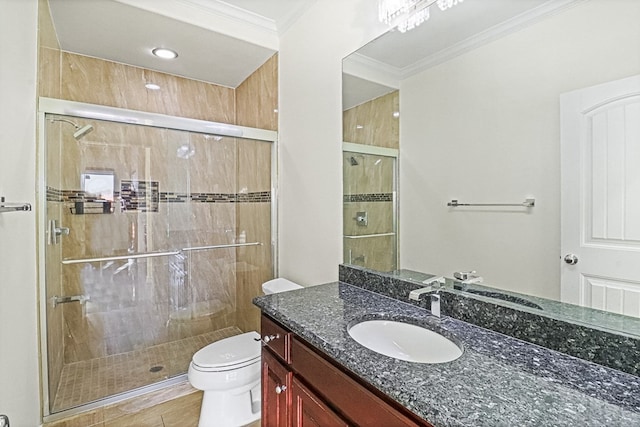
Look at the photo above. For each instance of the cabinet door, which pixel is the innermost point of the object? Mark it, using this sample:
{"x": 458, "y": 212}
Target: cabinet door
{"x": 276, "y": 397}
{"x": 308, "y": 410}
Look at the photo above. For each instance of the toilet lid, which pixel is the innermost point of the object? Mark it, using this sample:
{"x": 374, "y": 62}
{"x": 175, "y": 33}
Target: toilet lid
{"x": 229, "y": 351}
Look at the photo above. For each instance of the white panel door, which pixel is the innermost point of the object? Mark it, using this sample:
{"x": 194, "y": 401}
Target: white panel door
{"x": 600, "y": 153}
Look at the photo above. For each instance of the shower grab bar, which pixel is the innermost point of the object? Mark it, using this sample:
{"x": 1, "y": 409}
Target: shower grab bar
{"x": 231, "y": 245}
{"x": 13, "y": 207}
{"x": 528, "y": 203}
{"x": 364, "y": 236}
{"x": 119, "y": 257}
{"x": 155, "y": 254}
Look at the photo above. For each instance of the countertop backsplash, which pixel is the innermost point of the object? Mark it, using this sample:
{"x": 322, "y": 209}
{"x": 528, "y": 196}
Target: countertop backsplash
{"x": 546, "y": 326}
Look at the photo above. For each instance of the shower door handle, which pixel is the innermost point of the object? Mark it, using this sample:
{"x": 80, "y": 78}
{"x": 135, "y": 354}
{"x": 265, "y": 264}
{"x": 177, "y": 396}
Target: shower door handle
{"x": 55, "y": 231}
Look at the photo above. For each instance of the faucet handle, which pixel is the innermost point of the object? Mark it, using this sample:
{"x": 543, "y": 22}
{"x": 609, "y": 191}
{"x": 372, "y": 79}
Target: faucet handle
{"x": 435, "y": 280}
{"x": 463, "y": 275}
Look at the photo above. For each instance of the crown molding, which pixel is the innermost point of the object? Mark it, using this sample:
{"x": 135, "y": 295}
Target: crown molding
{"x": 373, "y": 70}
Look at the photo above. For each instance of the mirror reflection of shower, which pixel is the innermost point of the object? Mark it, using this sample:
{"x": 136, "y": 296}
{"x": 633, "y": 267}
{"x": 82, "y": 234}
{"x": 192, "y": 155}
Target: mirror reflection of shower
{"x": 81, "y": 131}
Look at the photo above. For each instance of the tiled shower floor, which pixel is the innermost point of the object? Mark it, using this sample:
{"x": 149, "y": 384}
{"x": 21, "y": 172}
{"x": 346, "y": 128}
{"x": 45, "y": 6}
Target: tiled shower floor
{"x": 91, "y": 380}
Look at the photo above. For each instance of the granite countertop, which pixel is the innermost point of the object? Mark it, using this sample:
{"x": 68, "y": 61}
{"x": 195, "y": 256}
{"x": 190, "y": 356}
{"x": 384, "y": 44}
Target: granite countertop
{"x": 498, "y": 381}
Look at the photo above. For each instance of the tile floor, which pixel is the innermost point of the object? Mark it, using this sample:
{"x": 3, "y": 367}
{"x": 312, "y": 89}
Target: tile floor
{"x": 91, "y": 380}
{"x": 176, "y": 406}
{"x": 180, "y": 412}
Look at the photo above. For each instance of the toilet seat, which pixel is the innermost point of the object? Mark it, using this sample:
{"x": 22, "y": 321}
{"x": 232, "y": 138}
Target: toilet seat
{"x": 228, "y": 354}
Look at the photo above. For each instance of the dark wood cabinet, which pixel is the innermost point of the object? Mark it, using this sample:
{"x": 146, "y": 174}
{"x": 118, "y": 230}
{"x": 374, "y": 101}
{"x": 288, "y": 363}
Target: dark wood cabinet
{"x": 276, "y": 400}
{"x": 317, "y": 391}
{"x": 309, "y": 410}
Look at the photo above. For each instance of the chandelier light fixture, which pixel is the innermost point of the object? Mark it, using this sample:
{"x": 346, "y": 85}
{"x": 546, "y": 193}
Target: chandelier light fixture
{"x": 409, "y": 13}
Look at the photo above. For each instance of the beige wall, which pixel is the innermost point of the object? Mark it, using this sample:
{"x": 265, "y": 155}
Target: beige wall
{"x": 256, "y": 106}
{"x": 484, "y": 127}
{"x": 374, "y": 122}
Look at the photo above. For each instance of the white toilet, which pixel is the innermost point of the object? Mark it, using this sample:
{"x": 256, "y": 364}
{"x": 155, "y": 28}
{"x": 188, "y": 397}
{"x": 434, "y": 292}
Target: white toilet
{"x": 228, "y": 371}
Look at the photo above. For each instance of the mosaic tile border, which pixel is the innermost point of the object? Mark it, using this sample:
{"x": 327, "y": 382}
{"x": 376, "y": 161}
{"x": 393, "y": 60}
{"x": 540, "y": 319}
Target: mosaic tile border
{"x": 55, "y": 195}
{"x": 141, "y": 196}
{"x": 372, "y": 197}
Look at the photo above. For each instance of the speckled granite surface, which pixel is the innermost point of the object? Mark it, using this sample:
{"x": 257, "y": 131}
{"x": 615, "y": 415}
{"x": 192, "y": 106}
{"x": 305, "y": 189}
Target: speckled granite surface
{"x": 498, "y": 381}
{"x": 605, "y": 338}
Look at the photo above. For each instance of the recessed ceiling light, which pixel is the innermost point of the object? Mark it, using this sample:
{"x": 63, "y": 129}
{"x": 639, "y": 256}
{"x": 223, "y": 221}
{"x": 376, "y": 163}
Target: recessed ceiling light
{"x": 152, "y": 86}
{"x": 164, "y": 53}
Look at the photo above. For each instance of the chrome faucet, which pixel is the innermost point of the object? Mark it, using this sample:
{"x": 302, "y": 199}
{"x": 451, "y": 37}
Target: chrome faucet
{"x": 434, "y": 285}
{"x": 467, "y": 277}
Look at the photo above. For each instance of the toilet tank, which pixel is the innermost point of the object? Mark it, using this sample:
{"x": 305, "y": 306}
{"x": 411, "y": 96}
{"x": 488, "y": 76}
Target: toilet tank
{"x": 279, "y": 284}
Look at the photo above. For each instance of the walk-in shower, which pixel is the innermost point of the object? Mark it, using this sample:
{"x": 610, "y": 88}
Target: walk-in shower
{"x": 155, "y": 234}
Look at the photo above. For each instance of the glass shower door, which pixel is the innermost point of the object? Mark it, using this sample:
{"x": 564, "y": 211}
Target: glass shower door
{"x": 369, "y": 210}
{"x": 156, "y": 242}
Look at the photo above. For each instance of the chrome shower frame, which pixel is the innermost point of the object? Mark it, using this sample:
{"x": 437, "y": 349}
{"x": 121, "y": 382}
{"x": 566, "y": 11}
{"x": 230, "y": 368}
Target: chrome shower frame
{"x": 125, "y": 116}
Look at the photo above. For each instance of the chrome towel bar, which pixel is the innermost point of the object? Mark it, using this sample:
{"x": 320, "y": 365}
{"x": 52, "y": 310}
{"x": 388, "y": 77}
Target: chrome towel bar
{"x": 528, "y": 203}
{"x": 13, "y": 207}
{"x": 231, "y": 245}
{"x": 156, "y": 254}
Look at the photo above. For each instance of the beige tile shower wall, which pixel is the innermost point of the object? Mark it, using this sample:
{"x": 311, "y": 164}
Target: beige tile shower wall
{"x": 374, "y": 122}
{"x": 160, "y": 310}
{"x": 257, "y": 97}
{"x": 375, "y": 252}
{"x": 254, "y": 220}
{"x": 257, "y": 104}
{"x": 379, "y": 215}
{"x": 97, "y": 81}
{"x": 372, "y": 174}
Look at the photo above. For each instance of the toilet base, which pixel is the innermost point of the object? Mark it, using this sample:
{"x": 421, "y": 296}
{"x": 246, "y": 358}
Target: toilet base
{"x": 224, "y": 409}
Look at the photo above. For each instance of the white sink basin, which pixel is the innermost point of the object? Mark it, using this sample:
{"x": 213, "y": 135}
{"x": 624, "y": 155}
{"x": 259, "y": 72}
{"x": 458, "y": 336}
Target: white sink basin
{"x": 405, "y": 341}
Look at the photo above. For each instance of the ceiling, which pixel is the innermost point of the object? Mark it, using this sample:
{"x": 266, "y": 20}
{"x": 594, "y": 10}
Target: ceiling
{"x": 221, "y": 42}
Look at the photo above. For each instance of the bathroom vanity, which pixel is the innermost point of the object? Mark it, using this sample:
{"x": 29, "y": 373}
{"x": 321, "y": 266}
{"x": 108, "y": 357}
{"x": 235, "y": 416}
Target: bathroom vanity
{"x": 301, "y": 387}
{"x": 314, "y": 373}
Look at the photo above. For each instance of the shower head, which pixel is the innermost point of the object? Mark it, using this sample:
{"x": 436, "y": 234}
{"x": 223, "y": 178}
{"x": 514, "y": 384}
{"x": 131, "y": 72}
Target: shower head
{"x": 353, "y": 161}
{"x": 80, "y": 131}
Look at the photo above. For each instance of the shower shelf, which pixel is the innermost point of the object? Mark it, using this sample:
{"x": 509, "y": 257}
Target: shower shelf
{"x": 13, "y": 207}
{"x": 156, "y": 254}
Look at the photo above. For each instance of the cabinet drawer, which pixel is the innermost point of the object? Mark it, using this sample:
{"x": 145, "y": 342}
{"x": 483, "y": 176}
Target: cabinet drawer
{"x": 276, "y": 338}
{"x": 346, "y": 396}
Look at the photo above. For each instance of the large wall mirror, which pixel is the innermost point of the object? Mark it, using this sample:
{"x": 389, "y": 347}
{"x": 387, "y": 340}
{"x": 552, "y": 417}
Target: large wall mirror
{"x": 502, "y": 101}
